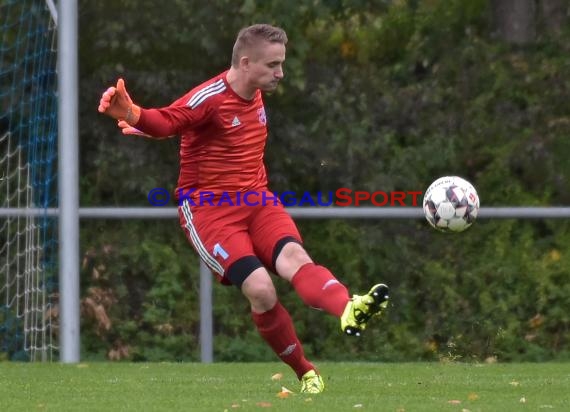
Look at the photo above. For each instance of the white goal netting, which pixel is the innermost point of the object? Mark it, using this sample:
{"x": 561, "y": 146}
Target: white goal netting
{"x": 28, "y": 162}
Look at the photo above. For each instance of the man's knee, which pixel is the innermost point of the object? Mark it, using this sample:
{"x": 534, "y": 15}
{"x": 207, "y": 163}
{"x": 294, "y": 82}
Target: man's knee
{"x": 290, "y": 259}
{"x": 286, "y": 247}
{"x": 258, "y": 288}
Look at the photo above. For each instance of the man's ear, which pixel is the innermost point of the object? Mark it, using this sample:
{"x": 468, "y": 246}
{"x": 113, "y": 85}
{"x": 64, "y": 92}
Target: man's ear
{"x": 244, "y": 63}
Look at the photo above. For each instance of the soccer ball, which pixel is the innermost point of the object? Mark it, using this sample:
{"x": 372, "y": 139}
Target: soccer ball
{"x": 451, "y": 204}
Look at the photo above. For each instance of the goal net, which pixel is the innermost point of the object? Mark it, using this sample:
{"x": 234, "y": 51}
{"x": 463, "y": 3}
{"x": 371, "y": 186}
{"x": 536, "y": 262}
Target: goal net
{"x": 28, "y": 161}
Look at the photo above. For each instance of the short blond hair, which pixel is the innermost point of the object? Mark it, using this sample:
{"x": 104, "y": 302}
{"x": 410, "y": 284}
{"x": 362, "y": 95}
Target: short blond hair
{"x": 253, "y": 35}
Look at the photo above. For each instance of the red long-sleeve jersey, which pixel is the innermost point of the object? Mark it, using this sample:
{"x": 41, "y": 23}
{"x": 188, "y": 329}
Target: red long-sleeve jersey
{"x": 223, "y": 138}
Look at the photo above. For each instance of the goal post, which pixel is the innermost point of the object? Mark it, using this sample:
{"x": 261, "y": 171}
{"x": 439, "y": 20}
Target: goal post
{"x": 68, "y": 181}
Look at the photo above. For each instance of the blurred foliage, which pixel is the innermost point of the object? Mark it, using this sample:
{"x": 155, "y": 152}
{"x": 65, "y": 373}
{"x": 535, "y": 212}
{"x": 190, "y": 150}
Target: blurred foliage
{"x": 378, "y": 95}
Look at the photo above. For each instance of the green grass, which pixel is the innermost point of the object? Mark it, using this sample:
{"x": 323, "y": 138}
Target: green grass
{"x": 248, "y": 386}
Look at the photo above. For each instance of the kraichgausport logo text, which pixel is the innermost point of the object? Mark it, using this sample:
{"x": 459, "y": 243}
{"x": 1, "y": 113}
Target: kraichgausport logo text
{"x": 341, "y": 197}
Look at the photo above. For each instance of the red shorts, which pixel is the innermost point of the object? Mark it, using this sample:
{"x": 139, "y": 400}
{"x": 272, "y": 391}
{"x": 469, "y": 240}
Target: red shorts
{"x": 225, "y": 233}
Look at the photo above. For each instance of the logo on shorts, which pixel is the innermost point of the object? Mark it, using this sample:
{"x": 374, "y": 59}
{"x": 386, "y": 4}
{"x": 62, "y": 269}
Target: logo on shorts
{"x": 261, "y": 116}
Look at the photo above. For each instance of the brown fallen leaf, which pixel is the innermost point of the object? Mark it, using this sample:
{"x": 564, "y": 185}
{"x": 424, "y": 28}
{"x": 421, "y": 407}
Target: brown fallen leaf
{"x": 277, "y": 377}
{"x": 472, "y": 396}
{"x": 264, "y": 404}
{"x": 285, "y": 393}
{"x": 454, "y": 402}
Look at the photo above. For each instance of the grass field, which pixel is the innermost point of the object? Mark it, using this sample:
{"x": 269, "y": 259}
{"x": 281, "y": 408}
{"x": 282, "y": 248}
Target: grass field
{"x": 249, "y": 386}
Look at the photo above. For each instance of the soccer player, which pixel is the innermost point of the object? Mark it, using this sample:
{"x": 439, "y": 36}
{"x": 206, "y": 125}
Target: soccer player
{"x": 243, "y": 232}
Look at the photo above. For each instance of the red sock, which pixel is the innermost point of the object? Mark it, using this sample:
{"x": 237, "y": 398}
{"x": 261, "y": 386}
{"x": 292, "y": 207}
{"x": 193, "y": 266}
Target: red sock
{"x": 276, "y": 327}
{"x": 318, "y": 288}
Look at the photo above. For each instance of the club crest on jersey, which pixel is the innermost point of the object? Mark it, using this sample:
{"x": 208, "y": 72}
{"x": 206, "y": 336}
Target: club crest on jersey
{"x": 261, "y": 116}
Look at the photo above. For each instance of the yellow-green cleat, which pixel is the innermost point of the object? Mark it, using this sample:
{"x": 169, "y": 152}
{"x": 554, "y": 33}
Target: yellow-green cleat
{"x": 360, "y": 309}
{"x": 311, "y": 382}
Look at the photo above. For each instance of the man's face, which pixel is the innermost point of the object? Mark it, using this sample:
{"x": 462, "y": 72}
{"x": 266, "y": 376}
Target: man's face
{"x": 265, "y": 66}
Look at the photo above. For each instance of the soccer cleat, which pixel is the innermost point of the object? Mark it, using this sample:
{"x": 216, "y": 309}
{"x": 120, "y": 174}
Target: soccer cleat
{"x": 311, "y": 382}
{"x": 360, "y": 309}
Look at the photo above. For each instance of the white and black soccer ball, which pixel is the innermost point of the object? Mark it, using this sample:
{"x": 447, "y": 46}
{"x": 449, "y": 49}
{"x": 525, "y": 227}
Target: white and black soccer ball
{"x": 451, "y": 204}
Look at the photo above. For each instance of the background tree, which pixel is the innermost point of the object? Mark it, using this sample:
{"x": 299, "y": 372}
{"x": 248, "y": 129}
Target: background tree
{"x": 515, "y": 20}
{"x": 377, "y": 95}
{"x": 519, "y": 21}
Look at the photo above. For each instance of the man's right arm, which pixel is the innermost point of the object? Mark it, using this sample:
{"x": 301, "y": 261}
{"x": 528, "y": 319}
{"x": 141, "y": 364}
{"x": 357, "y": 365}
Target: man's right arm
{"x": 166, "y": 121}
{"x": 159, "y": 123}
